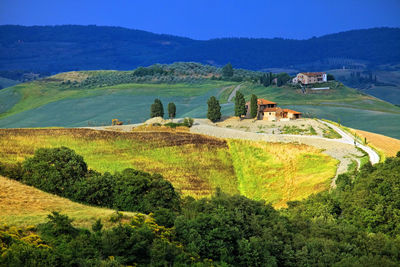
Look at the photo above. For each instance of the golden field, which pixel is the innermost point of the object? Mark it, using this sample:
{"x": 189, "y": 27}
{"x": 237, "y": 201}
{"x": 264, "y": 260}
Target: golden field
{"x": 278, "y": 173}
{"x": 195, "y": 164}
{"x": 25, "y": 205}
{"x": 389, "y": 146}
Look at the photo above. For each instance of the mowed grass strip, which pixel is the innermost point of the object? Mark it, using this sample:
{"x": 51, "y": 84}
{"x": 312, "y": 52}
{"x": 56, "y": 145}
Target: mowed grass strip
{"x": 196, "y": 165}
{"x": 278, "y": 173}
{"x": 24, "y": 205}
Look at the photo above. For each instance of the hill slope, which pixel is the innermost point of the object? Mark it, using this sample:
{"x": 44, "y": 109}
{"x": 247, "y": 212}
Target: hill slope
{"x": 96, "y": 97}
{"x": 195, "y": 164}
{"x": 66, "y": 48}
{"x": 25, "y": 205}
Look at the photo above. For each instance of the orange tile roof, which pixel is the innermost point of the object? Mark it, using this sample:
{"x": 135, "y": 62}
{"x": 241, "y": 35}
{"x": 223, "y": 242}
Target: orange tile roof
{"x": 313, "y": 73}
{"x": 262, "y": 101}
{"x": 291, "y": 111}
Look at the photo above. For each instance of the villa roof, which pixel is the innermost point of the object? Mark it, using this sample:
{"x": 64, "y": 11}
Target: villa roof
{"x": 262, "y": 101}
{"x": 313, "y": 73}
{"x": 291, "y": 111}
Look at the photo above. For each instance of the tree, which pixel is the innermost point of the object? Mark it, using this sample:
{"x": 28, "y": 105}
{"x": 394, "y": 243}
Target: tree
{"x": 171, "y": 110}
{"x": 240, "y": 104}
{"x": 157, "y": 109}
{"x": 54, "y": 170}
{"x": 282, "y": 78}
{"x": 330, "y": 77}
{"x": 140, "y": 191}
{"x": 253, "y": 106}
{"x": 214, "y": 109}
{"x": 227, "y": 70}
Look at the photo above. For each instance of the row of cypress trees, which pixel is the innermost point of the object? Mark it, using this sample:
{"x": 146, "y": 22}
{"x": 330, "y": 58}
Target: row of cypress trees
{"x": 214, "y": 108}
{"x": 157, "y": 109}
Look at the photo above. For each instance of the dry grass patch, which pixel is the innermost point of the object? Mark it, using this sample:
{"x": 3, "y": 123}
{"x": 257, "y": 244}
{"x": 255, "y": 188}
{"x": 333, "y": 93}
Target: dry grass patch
{"x": 278, "y": 173}
{"x": 23, "y": 205}
{"x": 161, "y": 128}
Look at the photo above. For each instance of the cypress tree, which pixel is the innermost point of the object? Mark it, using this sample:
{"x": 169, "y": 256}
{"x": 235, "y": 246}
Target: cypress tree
{"x": 253, "y": 106}
{"x": 157, "y": 109}
{"x": 214, "y": 109}
{"x": 171, "y": 110}
{"x": 240, "y": 104}
{"x": 227, "y": 70}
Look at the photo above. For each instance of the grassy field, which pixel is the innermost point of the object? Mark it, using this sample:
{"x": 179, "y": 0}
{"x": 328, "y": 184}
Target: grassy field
{"x": 195, "y": 164}
{"x": 50, "y": 102}
{"x": 4, "y": 82}
{"x": 278, "y": 173}
{"x": 24, "y": 205}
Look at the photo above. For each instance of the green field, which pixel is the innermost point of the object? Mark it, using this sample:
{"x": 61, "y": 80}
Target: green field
{"x": 195, "y": 164}
{"x": 50, "y": 102}
{"x": 279, "y": 172}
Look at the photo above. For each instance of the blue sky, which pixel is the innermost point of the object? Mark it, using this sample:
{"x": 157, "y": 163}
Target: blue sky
{"x": 207, "y": 19}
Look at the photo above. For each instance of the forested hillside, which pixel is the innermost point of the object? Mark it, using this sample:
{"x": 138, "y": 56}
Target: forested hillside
{"x": 356, "y": 224}
{"x": 65, "y": 48}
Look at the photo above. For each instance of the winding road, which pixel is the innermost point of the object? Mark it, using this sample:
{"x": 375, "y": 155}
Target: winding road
{"x": 232, "y": 95}
{"x": 348, "y": 139}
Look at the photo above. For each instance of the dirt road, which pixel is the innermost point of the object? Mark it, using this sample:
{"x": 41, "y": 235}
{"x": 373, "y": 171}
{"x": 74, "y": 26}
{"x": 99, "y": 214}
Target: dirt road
{"x": 233, "y": 94}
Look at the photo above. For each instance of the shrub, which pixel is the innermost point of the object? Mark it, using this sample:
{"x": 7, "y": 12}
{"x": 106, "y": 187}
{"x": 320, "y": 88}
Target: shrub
{"x": 188, "y": 122}
{"x": 140, "y": 191}
{"x": 54, "y": 170}
{"x": 95, "y": 189}
{"x": 12, "y": 171}
{"x": 173, "y": 124}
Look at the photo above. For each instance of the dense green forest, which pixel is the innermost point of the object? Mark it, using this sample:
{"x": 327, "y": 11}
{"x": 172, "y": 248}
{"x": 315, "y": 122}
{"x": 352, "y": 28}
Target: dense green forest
{"x": 64, "y": 48}
{"x": 356, "y": 224}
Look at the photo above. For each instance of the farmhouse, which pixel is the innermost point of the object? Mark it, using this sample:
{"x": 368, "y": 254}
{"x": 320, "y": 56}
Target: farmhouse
{"x": 310, "y": 77}
{"x": 268, "y": 110}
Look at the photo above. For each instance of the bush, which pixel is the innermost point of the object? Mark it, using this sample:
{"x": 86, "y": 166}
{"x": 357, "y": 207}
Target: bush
{"x": 96, "y": 189}
{"x": 188, "y": 122}
{"x": 12, "y": 171}
{"x": 61, "y": 171}
{"x": 173, "y": 124}
{"x": 140, "y": 191}
{"x": 54, "y": 170}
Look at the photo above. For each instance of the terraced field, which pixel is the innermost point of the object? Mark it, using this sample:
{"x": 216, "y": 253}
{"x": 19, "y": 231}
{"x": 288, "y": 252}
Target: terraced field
{"x": 195, "y": 164}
